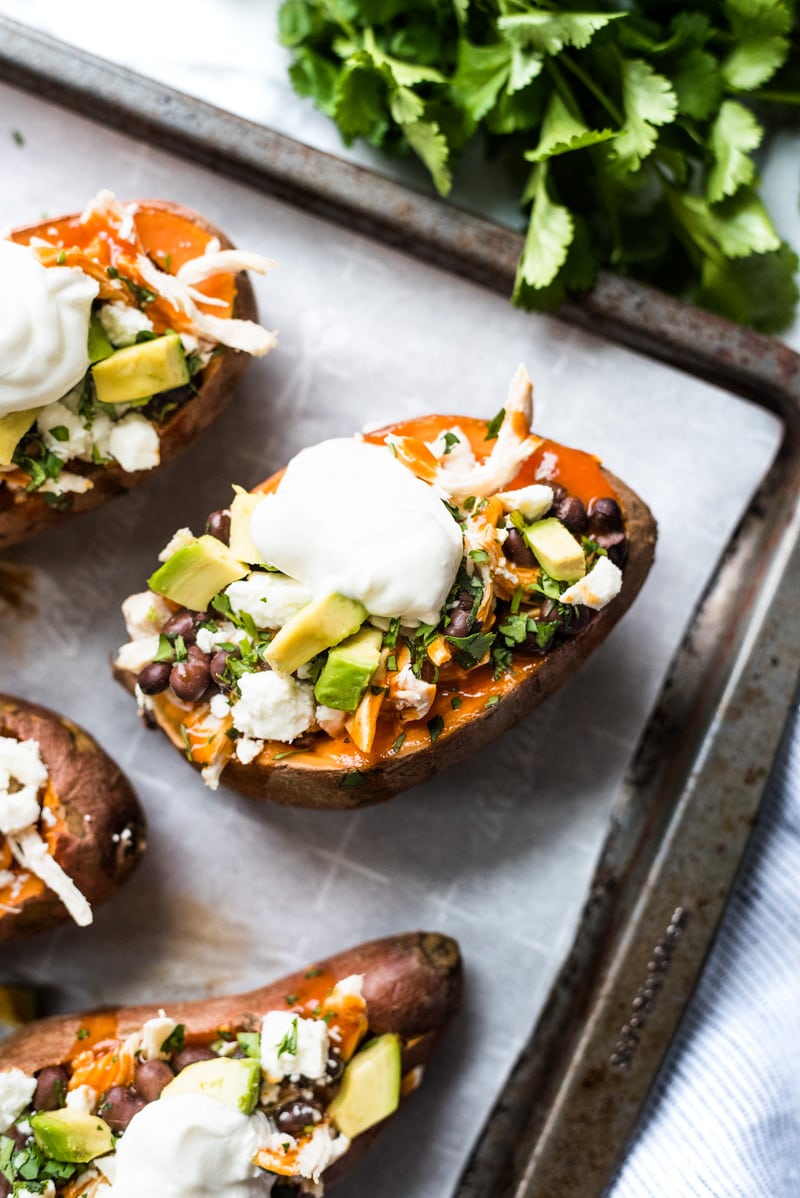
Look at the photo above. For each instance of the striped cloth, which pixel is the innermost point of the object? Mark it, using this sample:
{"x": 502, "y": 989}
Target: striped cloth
{"x": 724, "y": 1118}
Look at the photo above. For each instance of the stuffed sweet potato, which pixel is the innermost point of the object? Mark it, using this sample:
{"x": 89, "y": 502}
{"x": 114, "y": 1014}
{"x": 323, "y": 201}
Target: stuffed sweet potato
{"x": 123, "y": 332}
{"x": 384, "y": 606}
{"x": 269, "y": 1092}
{"x": 71, "y": 828}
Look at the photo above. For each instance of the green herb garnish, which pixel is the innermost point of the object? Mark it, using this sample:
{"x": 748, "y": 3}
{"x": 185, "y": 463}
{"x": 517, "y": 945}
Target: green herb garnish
{"x": 175, "y": 1040}
{"x": 435, "y": 728}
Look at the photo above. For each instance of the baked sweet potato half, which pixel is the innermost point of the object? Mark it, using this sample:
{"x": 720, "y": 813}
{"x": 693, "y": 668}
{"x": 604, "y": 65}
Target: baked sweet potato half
{"x": 268, "y": 1092}
{"x": 71, "y": 828}
{"x": 384, "y": 607}
{"x": 123, "y": 331}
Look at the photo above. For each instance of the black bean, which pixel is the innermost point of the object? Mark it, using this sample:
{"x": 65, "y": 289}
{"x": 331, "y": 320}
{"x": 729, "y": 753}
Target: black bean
{"x": 151, "y": 1077}
{"x": 154, "y": 678}
{"x": 605, "y": 515}
{"x": 465, "y": 600}
{"x": 119, "y": 1105}
{"x": 334, "y": 1066}
{"x": 184, "y": 623}
{"x": 51, "y": 1088}
{"x": 189, "y": 679}
{"x": 217, "y": 664}
{"x": 190, "y": 1055}
{"x": 459, "y": 623}
{"x": 218, "y": 525}
{"x": 572, "y": 513}
{"x": 197, "y": 654}
{"x": 615, "y": 545}
{"x": 517, "y": 550}
{"x": 294, "y": 1117}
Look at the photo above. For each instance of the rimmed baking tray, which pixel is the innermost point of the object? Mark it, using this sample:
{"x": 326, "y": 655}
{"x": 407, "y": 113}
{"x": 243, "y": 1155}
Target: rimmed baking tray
{"x": 682, "y": 818}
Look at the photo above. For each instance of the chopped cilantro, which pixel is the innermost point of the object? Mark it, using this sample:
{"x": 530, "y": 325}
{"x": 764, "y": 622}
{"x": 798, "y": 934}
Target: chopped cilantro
{"x": 181, "y": 652}
{"x": 471, "y": 649}
{"x": 493, "y": 700}
{"x": 313, "y": 973}
{"x": 398, "y": 743}
{"x": 187, "y": 744}
{"x": 142, "y": 295}
{"x": 287, "y": 753}
{"x": 435, "y": 728}
{"x": 479, "y": 555}
{"x": 352, "y": 779}
{"x": 456, "y": 702}
{"x": 391, "y": 663}
{"x": 61, "y": 259}
{"x": 83, "y": 1034}
{"x": 291, "y": 999}
{"x": 493, "y": 426}
{"x": 450, "y": 439}
{"x": 288, "y": 1044}
{"x": 176, "y": 1039}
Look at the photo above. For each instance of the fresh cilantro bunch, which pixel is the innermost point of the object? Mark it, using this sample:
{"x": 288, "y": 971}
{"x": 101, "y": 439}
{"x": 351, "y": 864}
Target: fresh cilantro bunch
{"x": 631, "y": 128}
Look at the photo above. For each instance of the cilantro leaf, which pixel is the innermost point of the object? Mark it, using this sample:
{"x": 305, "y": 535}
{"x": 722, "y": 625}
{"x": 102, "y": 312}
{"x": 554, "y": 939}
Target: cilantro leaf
{"x": 736, "y": 228}
{"x": 482, "y": 71}
{"x": 649, "y": 101}
{"x": 697, "y": 81}
{"x": 759, "y": 290}
{"x": 759, "y": 29}
{"x": 734, "y": 133}
{"x": 562, "y": 131}
{"x": 549, "y": 32}
{"x": 549, "y": 236}
{"x": 359, "y": 101}
{"x": 430, "y": 144}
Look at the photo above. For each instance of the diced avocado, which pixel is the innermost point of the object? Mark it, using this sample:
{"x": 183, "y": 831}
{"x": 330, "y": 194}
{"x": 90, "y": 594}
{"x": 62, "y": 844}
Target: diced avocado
{"x": 556, "y": 550}
{"x": 350, "y": 665}
{"x": 370, "y": 1089}
{"x": 240, "y": 541}
{"x": 141, "y": 370}
{"x": 73, "y": 1136}
{"x": 196, "y": 572}
{"x": 13, "y": 428}
{"x": 99, "y": 345}
{"x": 236, "y": 1081}
{"x": 317, "y": 626}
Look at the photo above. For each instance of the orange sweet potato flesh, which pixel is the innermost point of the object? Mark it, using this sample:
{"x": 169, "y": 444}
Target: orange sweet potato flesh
{"x": 184, "y": 233}
{"x": 298, "y": 781}
{"x": 92, "y": 802}
{"x": 412, "y": 987}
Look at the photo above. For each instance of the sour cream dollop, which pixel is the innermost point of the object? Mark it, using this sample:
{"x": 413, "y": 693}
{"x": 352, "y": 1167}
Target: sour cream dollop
{"x": 190, "y": 1146}
{"x": 44, "y": 327}
{"x": 349, "y": 518}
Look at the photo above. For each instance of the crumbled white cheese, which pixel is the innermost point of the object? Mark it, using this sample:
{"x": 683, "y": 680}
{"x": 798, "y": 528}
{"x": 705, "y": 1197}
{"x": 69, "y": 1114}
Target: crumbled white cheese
{"x": 353, "y": 985}
{"x": 210, "y": 641}
{"x": 281, "y": 1031}
{"x": 597, "y": 588}
{"x": 330, "y": 719}
{"x": 122, "y": 323}
{"x": 531, "y": 502}
{"x": 134, "y": 443}
{"x": 154, "y": 1033}
{"x": 271, "y": 599}
{"x": 83, "y": 1099}
{"x": 273, "y": 707}
{"x": 6, "y": 878}
{"x": 184, "y": 536}
{"x": 49, "y": 1191}
{"x": 16, "y": 1092}
{"x": 145, "y": 614}
{"x": 220, "y": 707}
{"x": 135, "y": 655}
{"x": 22, "y": 776}
{"x": 320, "y": 1151}
{"x": 100, "y": 433}
{"x": 67, "y": 483}
{"x": 71, "y": 439}
{"x": 406, "y": 691}
{"x": 247, "y": 750}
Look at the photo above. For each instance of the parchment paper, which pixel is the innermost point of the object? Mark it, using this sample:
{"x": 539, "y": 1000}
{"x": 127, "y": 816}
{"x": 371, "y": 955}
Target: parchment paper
{"x": 498, "y": 852}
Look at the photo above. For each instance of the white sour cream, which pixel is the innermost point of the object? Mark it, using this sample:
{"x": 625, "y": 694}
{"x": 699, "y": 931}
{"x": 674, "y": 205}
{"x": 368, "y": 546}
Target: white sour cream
{"x": 349, "y": 518}
{"x": 190, "y": 1146}
{"x": 44, "y": 326}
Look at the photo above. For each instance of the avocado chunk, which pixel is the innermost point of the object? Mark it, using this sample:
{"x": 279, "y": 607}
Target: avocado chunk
{"x": 556, "y": 550}
{"x": 240, "y": 542}
{"x": 99, "y": 345}
{"x": 13, "y": 428}
{"x": 138, "y": 371}
{"x": 73, "y": 1136}
{"x": 317, "y": 626}
{"x": 370, "y": 1089}
{"x": 235, "y": 1081}
{"x": 196, "y": 572}
{"x": 350, "y": 665}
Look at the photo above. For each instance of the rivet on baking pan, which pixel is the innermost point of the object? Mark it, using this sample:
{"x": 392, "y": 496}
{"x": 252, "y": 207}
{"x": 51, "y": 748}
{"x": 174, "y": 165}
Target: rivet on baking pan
{"x": 642, "y": 1003}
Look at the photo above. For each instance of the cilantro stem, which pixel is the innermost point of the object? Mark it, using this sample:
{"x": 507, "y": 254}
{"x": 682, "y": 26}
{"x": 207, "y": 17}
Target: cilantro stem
{"x": 592, "y": 87}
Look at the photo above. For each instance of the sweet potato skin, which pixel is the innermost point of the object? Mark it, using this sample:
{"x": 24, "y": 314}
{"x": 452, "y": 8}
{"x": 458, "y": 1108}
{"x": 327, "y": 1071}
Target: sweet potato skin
{"x": 301, "y": 785}
{"x": 97, "y": 803}
{"x": 30, "y": 514}
{"x": 412, "y": 986}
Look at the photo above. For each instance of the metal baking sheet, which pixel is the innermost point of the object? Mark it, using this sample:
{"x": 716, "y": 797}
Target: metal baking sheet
{"x": 502, "y": 851}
